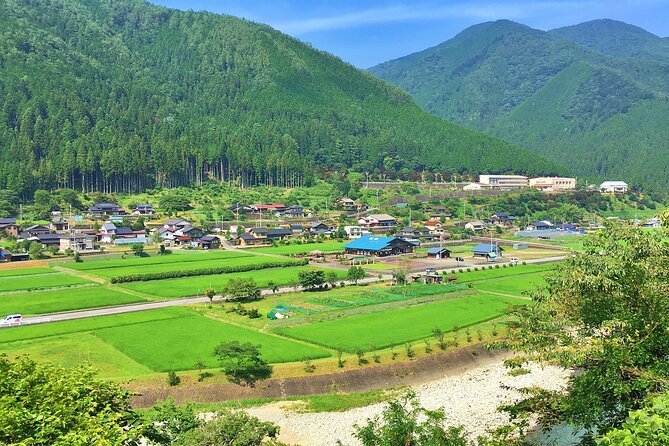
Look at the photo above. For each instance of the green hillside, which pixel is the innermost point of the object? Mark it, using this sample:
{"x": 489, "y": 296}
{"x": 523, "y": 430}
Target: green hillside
{"x": 603, "y": 115}
{"x": 124, "y": 95}
{"x": 617, "y": 39}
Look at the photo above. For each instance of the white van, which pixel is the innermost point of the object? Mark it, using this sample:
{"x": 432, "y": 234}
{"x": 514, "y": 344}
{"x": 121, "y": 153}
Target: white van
{"x": 514, "y": 260}
{"x": 11, "y": 320}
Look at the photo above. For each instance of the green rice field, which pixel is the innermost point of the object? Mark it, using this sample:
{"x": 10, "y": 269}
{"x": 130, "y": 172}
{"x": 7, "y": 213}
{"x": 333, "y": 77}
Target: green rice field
{"x": 516, "y": 285}
{"x": 157, "y": 340}
{"x": 483, "y": 274}
{"x": 397, "y": 326}
{"x": 235, "y": 259}
{"x": 175, "y": 257}
{"x": 25, "y": 272}
{"x": 305, "y": 248}
{"x": 65, "y": 299}
{"x": 193, "y": 286}
{"x": 31, "y": 282}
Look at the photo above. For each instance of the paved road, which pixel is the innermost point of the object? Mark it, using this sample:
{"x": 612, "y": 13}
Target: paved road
{"x": 144, "y": 306}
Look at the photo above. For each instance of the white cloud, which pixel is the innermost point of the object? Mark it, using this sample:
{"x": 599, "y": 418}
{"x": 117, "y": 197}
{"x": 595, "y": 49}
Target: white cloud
{"x": 486, "y": 10}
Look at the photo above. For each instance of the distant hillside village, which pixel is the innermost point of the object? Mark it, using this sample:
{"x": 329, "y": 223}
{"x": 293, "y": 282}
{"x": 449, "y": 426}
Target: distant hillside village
{"x": 108, "y": 226}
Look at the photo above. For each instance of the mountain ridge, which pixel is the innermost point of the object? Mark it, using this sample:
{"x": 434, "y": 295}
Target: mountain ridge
{"x": 125, "y": 95}
{"x": 549, "y": 94}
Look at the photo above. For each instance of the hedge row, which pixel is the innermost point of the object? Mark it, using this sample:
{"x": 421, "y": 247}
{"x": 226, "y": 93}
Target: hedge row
{"x": 207, "y": 271}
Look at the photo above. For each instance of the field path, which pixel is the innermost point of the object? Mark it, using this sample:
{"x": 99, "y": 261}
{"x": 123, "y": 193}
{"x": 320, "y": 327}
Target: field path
{"x": 75, "y": 273}
{"x": 144, "y": 306}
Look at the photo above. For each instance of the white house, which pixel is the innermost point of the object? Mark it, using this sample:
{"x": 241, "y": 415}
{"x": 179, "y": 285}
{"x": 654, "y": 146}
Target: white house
{"x": 476, "y": 226}
{"x": 356, "y": 231}
{"x": 613, "y": 187}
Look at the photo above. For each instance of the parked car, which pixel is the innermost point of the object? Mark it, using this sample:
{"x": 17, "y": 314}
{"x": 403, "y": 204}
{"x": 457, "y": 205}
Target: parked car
{"x": 514, "y": 260}
{"x": 11, "y": 320}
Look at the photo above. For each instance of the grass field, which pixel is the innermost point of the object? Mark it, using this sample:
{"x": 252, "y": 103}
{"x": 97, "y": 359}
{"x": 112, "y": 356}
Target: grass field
{"x": 79, "y": 348}
{"x": 305, "y": 248}
{"x": 397, "y": 326}
{"x": 136, "y": 343}
{"x": 29, "y": 282}
{"x": 516, "y": 285}
{"x": 175, "y": 257}
{"x": 482, "y": 274}
{"x": 234, "y": 259}
{"x": 179, "y": 343}
{"x": 25, "y": 272}
{"x": 192, "y": 286}
{"x": 52, "y": 301}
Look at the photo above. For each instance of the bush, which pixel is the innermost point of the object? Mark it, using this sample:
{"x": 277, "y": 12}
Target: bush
{"x": 524, "y": 263}
{"x": 173, "y": 379}
{"x": 469, "y": 269}
{"x": 308, "y": 366}
{"x": 205, "y": 271}
{"x": 504, "y": 266}
{"x": 496, "y": 266}
{"x": 476, "y": 268}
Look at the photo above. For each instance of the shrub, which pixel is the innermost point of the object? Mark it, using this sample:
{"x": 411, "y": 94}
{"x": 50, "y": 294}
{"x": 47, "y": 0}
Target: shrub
{"x": 524, "y": 262}
{"x": 205, "y": 271}
{"x": 469, "y": 269}
{"x": 476, "y": 268}
{"x": 340, "y": 362}
{"x": 409, "y": 350}
{"x": 308, "y": 366}
{"x": 173, "y": 379}
{"x": 496, "y": 266}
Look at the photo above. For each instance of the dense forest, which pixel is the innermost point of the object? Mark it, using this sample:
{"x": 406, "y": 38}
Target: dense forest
{"x": 594, "y": 97}
{"x": 115, "y": 96}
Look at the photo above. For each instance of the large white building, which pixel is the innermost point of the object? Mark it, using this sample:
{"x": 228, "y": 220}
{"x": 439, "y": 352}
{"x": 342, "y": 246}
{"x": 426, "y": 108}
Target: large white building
{"x": 553, "y": 183}
{"x": 504, "y": 181}
{"x": 613, "y": 187}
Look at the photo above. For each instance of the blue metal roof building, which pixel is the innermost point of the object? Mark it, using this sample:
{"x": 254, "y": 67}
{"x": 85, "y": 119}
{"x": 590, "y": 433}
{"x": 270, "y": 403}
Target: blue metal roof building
{"x": 487, "y": 250}
{"x": 378, "y": 246}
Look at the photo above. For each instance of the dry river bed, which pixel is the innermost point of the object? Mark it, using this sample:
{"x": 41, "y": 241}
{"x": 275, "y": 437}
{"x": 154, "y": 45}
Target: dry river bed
{"x": 470, "y": 400}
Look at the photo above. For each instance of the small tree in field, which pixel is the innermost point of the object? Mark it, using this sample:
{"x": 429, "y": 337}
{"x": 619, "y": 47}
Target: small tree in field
{"x": 242, "y": 363}
{"x": 137, "y": 249}
{"x": 273, "y": 286}
{"x": 355, "y": 273}
{"x": 241, "y": 290}
{"x": 331, "y": 278}
{"x": 311, "y": 279}
{"x": 210, "y": 293}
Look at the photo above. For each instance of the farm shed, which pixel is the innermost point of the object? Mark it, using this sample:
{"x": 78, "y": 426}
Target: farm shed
{"x": 378, "y": 246}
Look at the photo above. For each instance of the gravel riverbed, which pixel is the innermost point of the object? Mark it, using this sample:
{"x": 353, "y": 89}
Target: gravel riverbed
{"x": 470, "y": 399}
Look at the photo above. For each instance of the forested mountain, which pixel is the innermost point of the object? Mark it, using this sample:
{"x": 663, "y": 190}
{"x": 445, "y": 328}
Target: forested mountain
{"x": 120, "y": 95}
{"x": 603, "y": 115}
{"x": 617, "y": 39}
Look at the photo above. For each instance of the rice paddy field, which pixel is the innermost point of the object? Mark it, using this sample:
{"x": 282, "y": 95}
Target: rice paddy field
{"x": 119, "y": 267}
{"x": 401, "y": 325}
{"x": 63, "y": 299}
{"x": 145, "y": 344}
{"x": 193, "y": 286}
{"x": 304, "y": 248}
{"x": 39, "y": 281}
{"x": 135, "y": 344}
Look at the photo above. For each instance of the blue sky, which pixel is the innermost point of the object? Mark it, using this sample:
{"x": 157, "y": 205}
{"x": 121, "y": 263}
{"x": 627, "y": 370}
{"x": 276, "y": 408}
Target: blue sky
{"x": 365, "y": 32}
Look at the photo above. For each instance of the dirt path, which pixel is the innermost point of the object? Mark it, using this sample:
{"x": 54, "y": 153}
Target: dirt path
{"x": 75, "y": 273}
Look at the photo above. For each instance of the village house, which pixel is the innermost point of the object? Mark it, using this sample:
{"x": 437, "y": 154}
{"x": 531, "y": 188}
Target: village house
{"x": 356, "y": 231}
{"x": 566, "y": 227}
{"x": 249, "y": 240}
{"x": 143, "y": 209}
{"x": 296, "y": 229}
{"x": 77, "y": 242}
{"x": 35, "y": 230}
{"x": 294, "y": 211}
{"x": 613, "y": 187}
{"x": 543, "y": 225}
{"x": 378, "y": 222}
{"x": 174, "y": 224}
{"x": 7, "y": 256}
{"x": 9, "y": 227}
{"x": 347, "y": 204}
{"x": 438, "y": 253}
{"x": 194, "y": 233}
{"x": 126, "y": 236}
{"x": 318, "y": 227}
{"x": 209, "y": 242}
{"x": 268, "y": 208}
{"x": 378, "y": 246}
{"x": 502, "y": 219}
{"x": 105, "y": 209}
{"x": 476, "y": 226}
{"x": 47, "y": 240}
{"x": 59, "y": 225}
{"x": 435, "y": 227}
{"x": 415, "y": 233}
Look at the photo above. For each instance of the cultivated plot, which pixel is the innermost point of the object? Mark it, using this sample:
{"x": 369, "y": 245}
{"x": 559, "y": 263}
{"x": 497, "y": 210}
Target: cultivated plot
{"x": 399, "y": 325}
{"x": 63, "y": 299}
{"x": 32, "y": 282}
{"x": 304, "y": 248}
{"x": 193, "y": 286}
